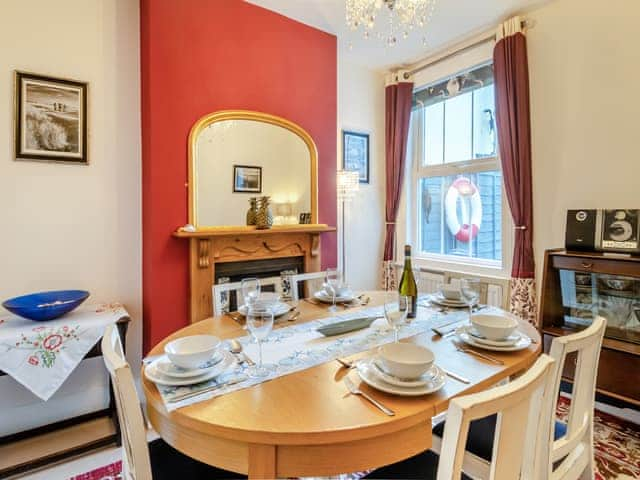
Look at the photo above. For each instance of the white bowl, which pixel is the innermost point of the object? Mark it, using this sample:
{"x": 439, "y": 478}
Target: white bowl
{"x": 494, "y": 327}
{"x": 193, "y": 351}
{"x": 451, "y": 292}
{"x": 341, "y": 290}
{"x": 405, "y": 360}
{"x": 266, "y": 300}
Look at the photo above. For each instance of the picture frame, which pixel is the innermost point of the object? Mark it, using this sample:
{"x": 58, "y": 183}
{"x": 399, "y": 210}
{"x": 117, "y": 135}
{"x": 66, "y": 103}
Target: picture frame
{"x": 50, "y": 119}
{"x": 247, "y": 179}
{"x": 355, "y": 153}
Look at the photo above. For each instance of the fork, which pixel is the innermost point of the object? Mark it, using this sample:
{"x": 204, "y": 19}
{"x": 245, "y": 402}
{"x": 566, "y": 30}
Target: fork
{"x": 479, "y": 355}
{"x": 356, "y": 391}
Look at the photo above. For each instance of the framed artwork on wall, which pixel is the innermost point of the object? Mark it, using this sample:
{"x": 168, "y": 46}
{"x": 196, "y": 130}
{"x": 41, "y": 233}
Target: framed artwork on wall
{"x": 355, "y": 153}
{"x": 247, "y": 179}
{"x": 50, "y": 119}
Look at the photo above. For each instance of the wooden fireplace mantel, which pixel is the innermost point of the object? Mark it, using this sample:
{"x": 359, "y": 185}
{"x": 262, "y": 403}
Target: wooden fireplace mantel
{"x": 208, "y": 247}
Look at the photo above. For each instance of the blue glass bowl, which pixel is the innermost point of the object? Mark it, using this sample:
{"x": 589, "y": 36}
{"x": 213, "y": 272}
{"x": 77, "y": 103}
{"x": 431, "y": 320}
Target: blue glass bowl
{"x": 45, "y": 306}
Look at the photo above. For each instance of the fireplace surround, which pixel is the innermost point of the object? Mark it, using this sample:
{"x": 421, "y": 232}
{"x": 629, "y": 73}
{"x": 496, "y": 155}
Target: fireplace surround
{"x": 211, "y": 251}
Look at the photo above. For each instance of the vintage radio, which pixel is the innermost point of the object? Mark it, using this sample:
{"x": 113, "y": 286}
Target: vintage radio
{"x": 604, "y": 230}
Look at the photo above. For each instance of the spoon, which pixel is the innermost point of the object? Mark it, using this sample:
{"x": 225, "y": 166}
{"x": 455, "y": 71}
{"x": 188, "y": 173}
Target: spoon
{"x": 236, "y": 349}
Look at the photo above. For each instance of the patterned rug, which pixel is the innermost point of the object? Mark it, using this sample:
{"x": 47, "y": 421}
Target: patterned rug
{"x": 617, "y": 450}
{"x": 617, "y": 444}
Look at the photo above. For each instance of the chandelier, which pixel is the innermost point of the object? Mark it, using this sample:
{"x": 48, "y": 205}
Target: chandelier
{"x": 401, "y": 18}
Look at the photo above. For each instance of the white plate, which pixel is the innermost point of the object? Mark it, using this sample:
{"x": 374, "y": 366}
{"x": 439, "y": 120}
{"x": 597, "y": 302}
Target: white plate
{"x": 368, "y": 376}
{"x": 326, "y": 298}
{"x": 167, "y": 367}
{"x": 507, "y": 342}
{"x": 152, "y": 373}
{"x": 440, "y": 300}
{"x": 418, "y": 382}
{"x": 521, "y": 344}
{"x": 279, "y": 309}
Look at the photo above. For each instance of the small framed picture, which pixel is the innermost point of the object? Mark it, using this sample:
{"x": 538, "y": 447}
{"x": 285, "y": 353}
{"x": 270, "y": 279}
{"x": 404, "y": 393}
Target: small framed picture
{"x": 247, "y": 179}
{"x": 355, "y": 153}
{"x": 50, "y": 119}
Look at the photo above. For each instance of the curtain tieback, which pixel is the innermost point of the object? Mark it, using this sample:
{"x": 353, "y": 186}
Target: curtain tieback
{"x": 389, "y": 223}
{"x": 520, "y": 227}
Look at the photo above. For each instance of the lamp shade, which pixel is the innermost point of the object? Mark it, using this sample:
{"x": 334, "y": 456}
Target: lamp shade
{"x": 347, "y": 183}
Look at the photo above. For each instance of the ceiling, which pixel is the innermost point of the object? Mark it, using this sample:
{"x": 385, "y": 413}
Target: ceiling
{"x": 452, "y": 20}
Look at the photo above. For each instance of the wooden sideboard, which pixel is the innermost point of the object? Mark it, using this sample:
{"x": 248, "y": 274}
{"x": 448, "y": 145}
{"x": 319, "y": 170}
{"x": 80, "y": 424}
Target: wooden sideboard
{"x": 218, "y": 245}
{"x": 591, "y": 274}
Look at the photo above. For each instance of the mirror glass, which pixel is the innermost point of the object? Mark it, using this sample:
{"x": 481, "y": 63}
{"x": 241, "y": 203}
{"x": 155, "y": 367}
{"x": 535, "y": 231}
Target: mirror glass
{"x": 236, "y": 159}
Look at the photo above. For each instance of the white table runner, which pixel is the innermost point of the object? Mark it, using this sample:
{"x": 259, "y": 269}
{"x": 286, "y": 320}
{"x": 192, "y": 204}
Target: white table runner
{"x": 41, "y": 355}
{"x": 299, "y": 347}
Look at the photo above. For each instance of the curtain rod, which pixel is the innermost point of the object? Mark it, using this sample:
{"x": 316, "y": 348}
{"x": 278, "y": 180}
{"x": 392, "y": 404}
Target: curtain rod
{"x": 477, "y": 43}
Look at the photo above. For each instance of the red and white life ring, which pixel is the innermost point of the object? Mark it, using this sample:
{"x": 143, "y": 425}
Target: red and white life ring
{"x": 470, "y": 226}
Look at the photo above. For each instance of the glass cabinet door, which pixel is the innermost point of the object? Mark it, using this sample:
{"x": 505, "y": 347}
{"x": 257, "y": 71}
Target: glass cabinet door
{"x": 614, "y": 297}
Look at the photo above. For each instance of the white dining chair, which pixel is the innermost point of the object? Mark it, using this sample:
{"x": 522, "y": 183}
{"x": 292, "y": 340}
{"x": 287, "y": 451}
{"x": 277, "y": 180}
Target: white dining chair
{"x": 518, "y": 406}
{"x": 219, "y": 291}
{"x": 564, "y": 450}
{"x": 294, "y": 281}
{"x": 140, "y": 460}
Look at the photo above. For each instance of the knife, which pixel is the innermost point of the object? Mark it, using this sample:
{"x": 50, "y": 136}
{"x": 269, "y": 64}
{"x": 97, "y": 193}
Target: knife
{"x": 212, "y": 388}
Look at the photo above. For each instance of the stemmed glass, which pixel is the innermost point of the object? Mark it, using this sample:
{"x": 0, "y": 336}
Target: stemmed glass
{"x": 470, "y": 289}
{"x": 395, "y": 310}
{"x": 332, "y": 281}
{"x": 250, "y": 290}
{"x": 259, "y": 324}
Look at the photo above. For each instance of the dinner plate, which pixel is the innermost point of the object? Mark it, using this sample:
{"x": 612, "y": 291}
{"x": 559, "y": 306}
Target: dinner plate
{"x": 167, "y": 367}
{"x": 278, "y": 309}
{"x": 368, "y": 375}
{"x": 521, "y": 344}
{"x": 326, "y": 298}
{"x": 440, "y": 300}
{"x": 152, "y": 373}
{"x": 507, "y": 342}
{"x": 399, "y": 382}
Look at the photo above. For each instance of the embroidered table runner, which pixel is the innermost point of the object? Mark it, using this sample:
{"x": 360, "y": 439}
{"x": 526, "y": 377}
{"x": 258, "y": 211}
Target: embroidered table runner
{"x": 41, "y": 355}
{"x": 295, "y": 348}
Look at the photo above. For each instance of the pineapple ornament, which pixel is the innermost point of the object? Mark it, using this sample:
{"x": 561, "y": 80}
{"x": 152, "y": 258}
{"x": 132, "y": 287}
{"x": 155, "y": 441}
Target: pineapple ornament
{"x": 264, "y": 217}
{"x": 252, "y": 213}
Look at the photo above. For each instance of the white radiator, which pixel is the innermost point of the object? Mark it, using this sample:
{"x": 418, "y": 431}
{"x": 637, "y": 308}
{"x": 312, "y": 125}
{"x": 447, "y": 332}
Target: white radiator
{"x": 494, "y": 295}
{"x": 429, "y": 281}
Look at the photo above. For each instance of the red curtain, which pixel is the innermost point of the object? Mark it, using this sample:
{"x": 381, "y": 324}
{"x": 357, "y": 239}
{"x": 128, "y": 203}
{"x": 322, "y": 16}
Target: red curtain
{"x": 398, "y": 99}
{"x": 514, "y": 134}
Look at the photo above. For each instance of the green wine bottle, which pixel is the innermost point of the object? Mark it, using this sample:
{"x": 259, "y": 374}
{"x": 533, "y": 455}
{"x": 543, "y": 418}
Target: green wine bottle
{"x": 408, "y": 287}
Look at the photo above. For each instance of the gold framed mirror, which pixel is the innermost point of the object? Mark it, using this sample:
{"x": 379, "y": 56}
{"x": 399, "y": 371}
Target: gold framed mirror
{"x": 238, "y": 154}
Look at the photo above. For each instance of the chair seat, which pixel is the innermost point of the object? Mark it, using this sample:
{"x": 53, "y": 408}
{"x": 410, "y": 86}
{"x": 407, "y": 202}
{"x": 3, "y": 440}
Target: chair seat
{"x": 167, "y": 463}
{"x": 481, "y": 433}
{"x": 423, "y": 466}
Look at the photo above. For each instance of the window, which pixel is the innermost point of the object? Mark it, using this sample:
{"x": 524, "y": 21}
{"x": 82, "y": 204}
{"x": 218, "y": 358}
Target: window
{"x": 456, "y": 176}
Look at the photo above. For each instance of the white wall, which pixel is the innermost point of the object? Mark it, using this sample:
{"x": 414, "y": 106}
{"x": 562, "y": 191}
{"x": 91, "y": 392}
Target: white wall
{"x": 584, "y": 66}
{"x": 361, "y": 109}
{"x": 70, "y": 226}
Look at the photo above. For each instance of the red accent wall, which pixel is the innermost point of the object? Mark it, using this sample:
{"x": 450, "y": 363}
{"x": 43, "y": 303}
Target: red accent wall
{"x": 199, "y": 56}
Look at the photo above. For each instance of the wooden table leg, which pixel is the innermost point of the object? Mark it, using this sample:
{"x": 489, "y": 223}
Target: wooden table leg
{"x": 262, "y": 461}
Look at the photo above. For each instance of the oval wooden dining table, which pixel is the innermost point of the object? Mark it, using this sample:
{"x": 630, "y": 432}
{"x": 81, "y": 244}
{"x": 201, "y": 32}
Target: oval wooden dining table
{"x": 306, "y": 423}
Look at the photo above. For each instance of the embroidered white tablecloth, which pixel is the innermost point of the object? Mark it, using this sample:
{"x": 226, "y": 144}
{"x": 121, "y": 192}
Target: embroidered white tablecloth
{"x": 41, "y": 355}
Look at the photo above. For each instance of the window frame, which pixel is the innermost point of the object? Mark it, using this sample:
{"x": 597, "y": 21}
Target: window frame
{"x": 420, "y": 170}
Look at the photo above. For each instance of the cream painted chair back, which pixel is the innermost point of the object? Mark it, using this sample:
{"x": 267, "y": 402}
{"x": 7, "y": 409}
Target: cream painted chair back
{"x": 573, "y": 451}
{"x": 518, "y": 406}
{"x": 136, "y": 464}
{"x": 219, "y": 289}
{"x": 294, "y": 280}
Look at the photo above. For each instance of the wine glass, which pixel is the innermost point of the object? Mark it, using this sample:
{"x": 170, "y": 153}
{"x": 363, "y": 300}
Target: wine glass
{"x": 332, "y": 283}
{"x": 250, "y": 290}
{"x": 470, "y": 289}
{"x": 395, "y": 310}
{"x": 259, "y": 324}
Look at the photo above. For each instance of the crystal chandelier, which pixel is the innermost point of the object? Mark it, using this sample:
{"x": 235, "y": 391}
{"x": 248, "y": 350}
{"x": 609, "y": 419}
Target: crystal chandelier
{"x": 402, "y": 17}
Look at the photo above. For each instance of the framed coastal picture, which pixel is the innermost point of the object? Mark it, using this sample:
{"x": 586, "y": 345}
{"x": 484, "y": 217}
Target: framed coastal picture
{"x": 247, "y": 179}
{"x": 355, "y": 153}
{"x": 50, "y": 119}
